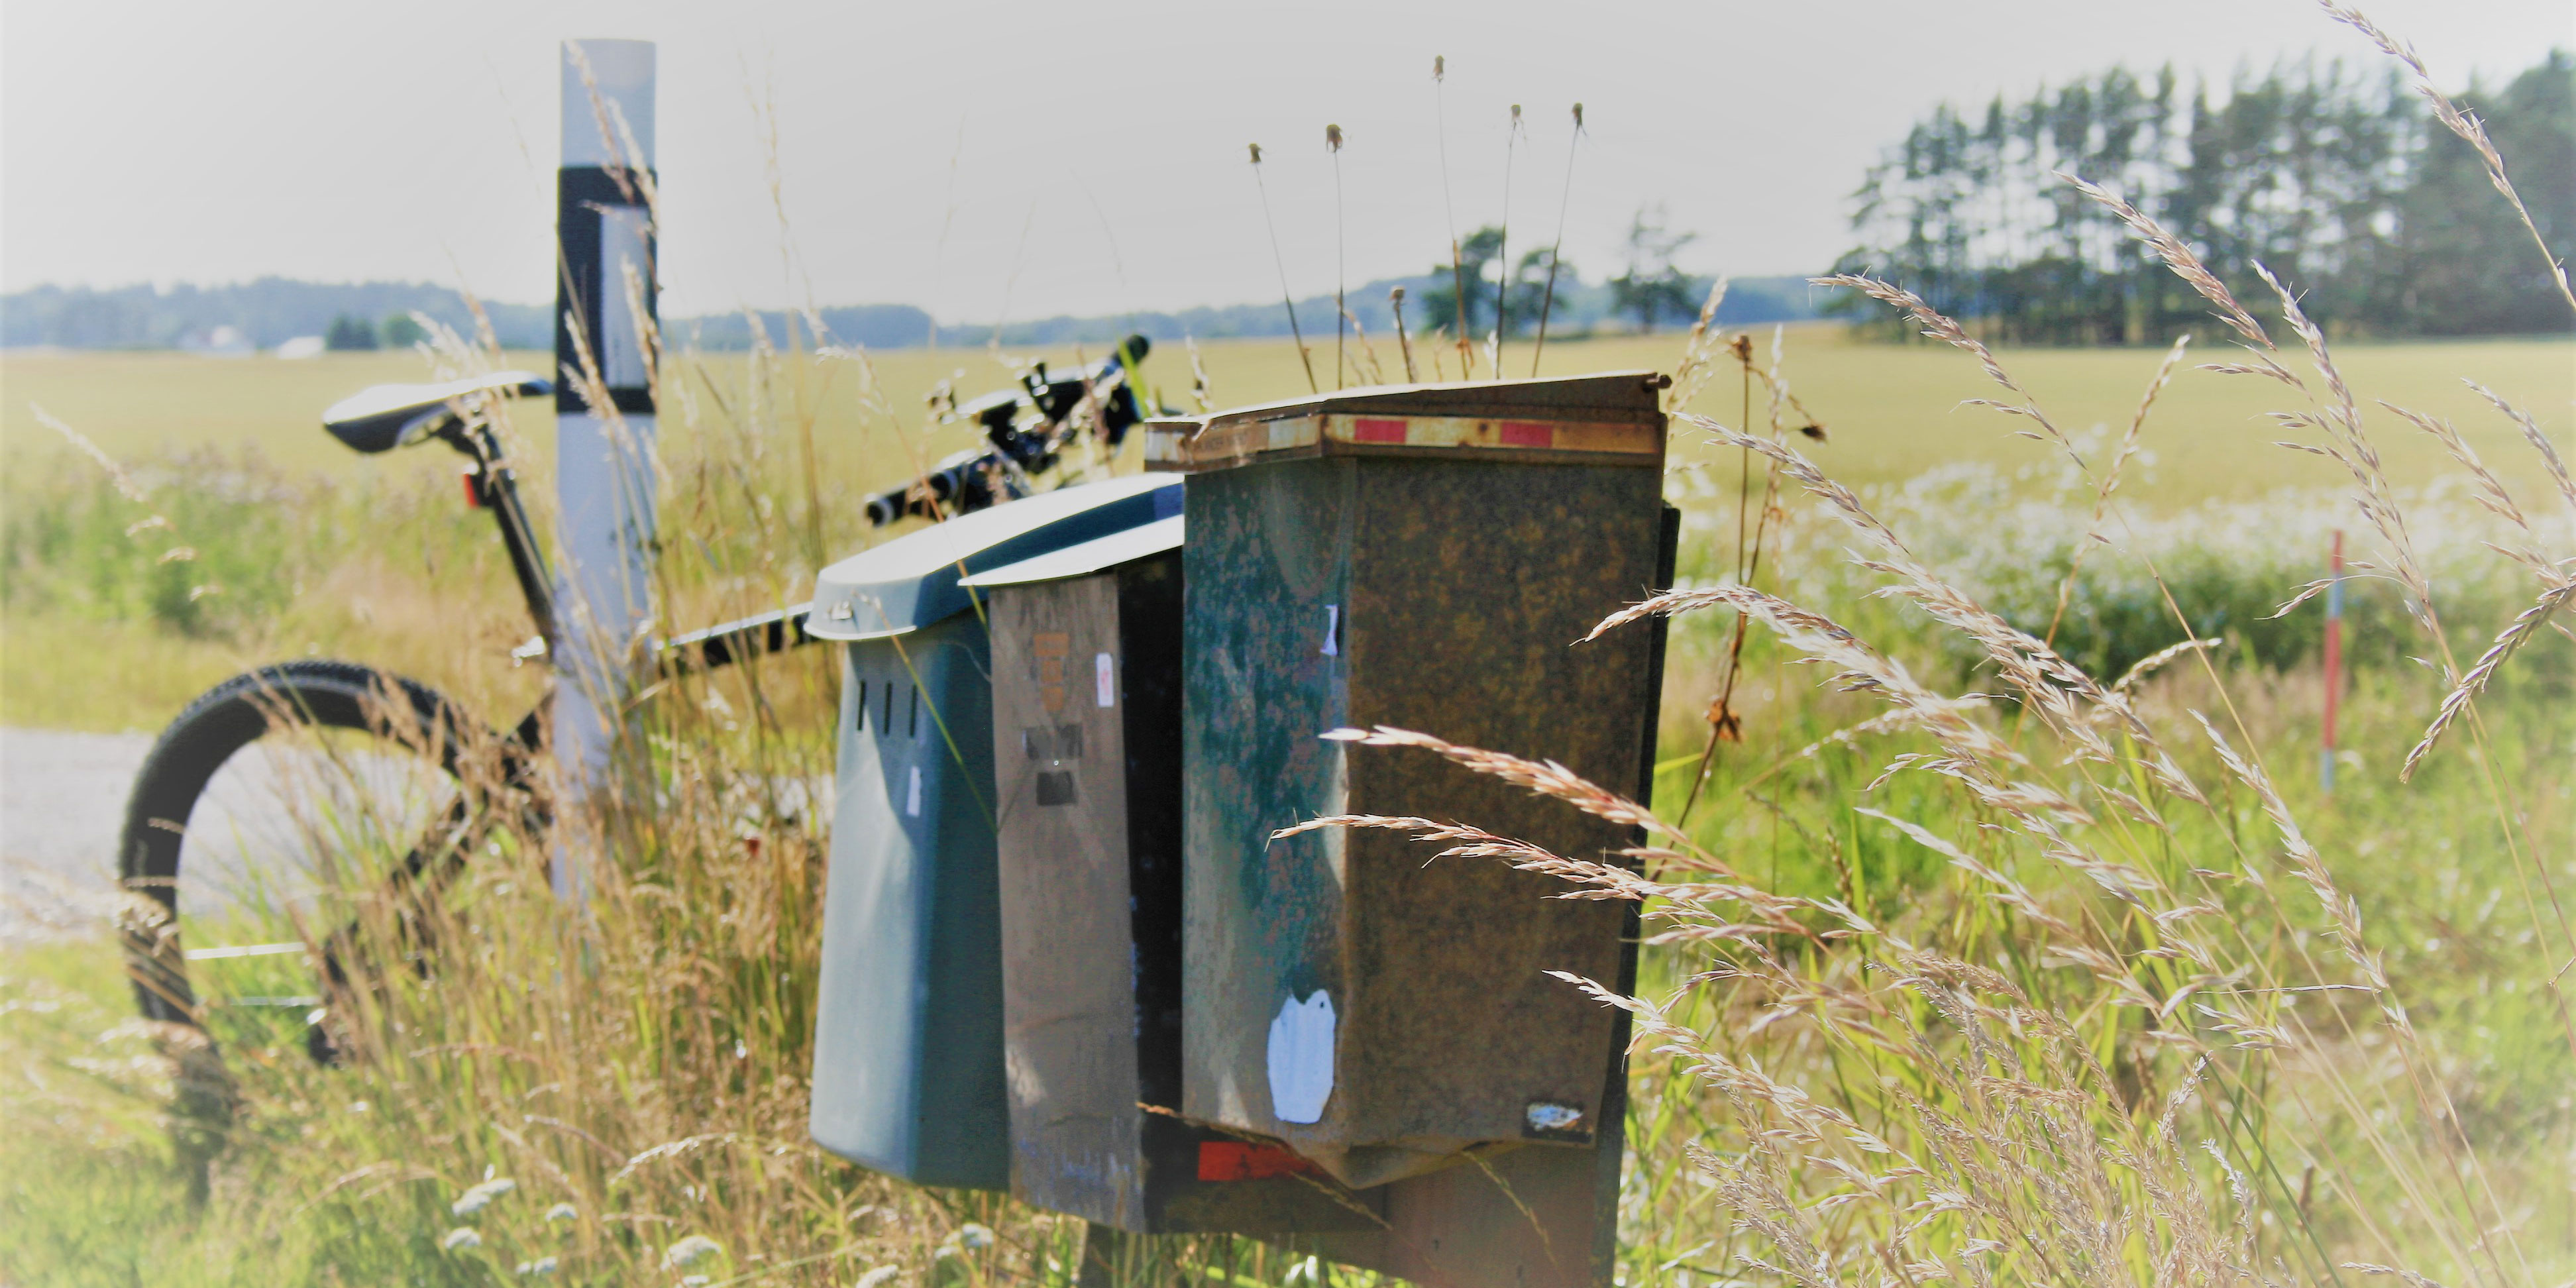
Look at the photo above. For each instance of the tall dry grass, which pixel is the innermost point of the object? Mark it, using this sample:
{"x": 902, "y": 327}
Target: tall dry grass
{"x": 2022, "y": 961}
{"x": 2139, "y": 1029}
{"x": 1989, "y": 1015}
{"x": 608, "y": 1093}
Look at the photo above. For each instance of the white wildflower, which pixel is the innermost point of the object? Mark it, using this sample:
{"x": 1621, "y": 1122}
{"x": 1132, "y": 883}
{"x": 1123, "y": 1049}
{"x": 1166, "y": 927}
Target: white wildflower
{"x": 878, "y": 1277}
{"x": 540, "y": 1266}
{"x": 474, "y": 1200}
{"x": 964, "y": 1238}
{"x": 460, "y": 1238}
{"x": 690, "y": 1251}
{"x": 563, "y": 1212}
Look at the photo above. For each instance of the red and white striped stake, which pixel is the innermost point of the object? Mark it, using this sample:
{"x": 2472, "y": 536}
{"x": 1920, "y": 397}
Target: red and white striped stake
{"x": 2334, "y": 659}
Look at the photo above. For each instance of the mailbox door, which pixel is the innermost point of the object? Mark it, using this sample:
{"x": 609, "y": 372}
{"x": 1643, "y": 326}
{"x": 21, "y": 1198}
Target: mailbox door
{"x": 908, "y": 1068}
{"x": 1376, "y": 1013}
{"x": 1070, "y": 1010}
{"x": 1543, "y": 1218}
{"x": 1269, "y": 573}
{"x": 1087, "y": 727}
{"x": 1472, "y": 582}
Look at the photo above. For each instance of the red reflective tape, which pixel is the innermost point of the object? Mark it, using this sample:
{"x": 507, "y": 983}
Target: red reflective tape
{"x": 1221, "y": 1160}
{"x": 1237, "y": 1160}
{"x": 1528, "y": 433}
{"x": 1367, "y": 430}
{"x": 473, "y": 494}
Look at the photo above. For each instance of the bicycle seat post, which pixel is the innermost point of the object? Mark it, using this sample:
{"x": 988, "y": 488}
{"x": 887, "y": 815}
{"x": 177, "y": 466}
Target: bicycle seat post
{"x": 496, "y": 488}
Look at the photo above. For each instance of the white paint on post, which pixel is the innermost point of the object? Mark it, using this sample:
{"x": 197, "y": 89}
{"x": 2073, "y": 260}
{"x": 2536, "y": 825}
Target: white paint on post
{"x": 623, "y": 242}
{"x": 606, "y": 476}
{"x": 623, "y": 71}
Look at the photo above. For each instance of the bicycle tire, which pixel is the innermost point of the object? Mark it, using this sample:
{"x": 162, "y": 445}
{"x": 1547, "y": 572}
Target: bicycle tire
{"x": 207, "y": 734}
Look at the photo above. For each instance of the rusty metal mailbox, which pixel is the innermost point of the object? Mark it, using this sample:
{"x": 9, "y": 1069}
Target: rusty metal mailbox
{"x": 1087, "y": 773}
{"x": 1421, "y": 557}
{"x": 908, "y": 1071}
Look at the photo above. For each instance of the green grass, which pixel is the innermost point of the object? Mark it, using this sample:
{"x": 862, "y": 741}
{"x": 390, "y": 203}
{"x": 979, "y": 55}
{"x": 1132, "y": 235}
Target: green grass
{"x": 1892, "y": 410}
{"x": 2459, "y": 920}
{"x": 686, "y": 1018}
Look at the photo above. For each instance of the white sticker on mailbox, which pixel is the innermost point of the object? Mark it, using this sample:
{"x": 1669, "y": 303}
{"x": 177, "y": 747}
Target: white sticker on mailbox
{"x": 1301, "y": 1058}
{"x": 912, "y": 794}
{"x": 1104, "y": 680}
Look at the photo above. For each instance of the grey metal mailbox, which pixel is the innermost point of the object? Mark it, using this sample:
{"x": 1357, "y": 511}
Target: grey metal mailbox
{"x": 1087, "y": 738}
{"x": 1422, "y": 557}
{"x": 908, "y": 1069}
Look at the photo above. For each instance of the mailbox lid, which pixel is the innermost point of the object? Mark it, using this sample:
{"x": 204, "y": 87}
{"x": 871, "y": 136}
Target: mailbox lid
{"x": 914, "y": 580}
{"x": 1610, "y": 419}
{"x": 1097, "y": 555}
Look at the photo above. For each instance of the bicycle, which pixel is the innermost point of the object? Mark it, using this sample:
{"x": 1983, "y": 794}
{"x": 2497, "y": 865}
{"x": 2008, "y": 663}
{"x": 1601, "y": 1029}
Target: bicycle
{"x": 285, "y": 780}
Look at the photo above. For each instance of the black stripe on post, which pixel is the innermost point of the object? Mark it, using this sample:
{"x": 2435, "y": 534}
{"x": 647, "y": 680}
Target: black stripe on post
{"x": 584, "y": 198}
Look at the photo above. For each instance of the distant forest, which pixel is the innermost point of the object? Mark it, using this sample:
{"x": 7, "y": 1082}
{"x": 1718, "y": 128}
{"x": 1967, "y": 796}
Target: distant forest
{"x": 270, "y": 311}
{"x": 2339, "y": 182}
{"x": 263, "y": 313}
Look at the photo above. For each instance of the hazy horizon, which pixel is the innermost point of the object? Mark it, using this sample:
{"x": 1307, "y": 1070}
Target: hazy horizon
{"x": 1003, "y": 162}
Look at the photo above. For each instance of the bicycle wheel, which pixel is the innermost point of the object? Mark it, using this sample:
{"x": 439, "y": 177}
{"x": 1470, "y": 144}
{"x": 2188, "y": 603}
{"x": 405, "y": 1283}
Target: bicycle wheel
{"x": 280, "y": 816}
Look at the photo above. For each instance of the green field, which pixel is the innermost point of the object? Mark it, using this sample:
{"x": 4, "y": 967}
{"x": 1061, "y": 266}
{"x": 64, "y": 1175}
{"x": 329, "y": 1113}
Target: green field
{"x": 1892, "y": 410}
{"x": 2128, "y": 1002}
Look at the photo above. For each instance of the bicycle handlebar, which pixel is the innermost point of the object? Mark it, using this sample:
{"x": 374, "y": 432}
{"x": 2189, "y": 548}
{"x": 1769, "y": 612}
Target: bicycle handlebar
{"x": 1025, "y": 431}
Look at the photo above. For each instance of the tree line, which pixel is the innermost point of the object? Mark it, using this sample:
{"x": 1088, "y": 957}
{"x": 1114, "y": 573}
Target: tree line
{"x": 266, "y": 312}
{"x": 2339, "y": 182}
{"x": 1652, "y": 289}
{"x": 269, "y": 311}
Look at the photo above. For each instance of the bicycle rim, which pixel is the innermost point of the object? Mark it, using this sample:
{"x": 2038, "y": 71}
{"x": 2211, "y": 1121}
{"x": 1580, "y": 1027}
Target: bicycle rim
{"x": 293, "y": 862}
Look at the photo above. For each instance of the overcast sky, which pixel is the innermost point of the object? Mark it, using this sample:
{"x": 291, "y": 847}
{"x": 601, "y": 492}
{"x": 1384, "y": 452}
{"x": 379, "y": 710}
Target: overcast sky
{"x": 1067, "y": 157}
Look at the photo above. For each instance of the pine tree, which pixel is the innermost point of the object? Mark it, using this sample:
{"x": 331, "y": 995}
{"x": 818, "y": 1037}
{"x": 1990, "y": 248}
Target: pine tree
{"x": 348, "y": 333}
{"x": 2335, "y": 181}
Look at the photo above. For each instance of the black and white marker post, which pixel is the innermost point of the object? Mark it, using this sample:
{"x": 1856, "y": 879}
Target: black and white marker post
{"x": 605, "y": 471}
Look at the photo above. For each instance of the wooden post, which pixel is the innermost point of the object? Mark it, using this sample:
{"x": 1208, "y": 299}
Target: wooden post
{"x": 605, "y": 475}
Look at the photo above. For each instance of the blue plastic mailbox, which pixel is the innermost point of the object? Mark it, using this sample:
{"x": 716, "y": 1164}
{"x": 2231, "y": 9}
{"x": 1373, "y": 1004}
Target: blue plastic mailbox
{"x": 908, "y": 1066}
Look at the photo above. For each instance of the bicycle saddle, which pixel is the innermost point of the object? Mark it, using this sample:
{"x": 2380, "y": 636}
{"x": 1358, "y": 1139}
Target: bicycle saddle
{"x": 390, "y": 416}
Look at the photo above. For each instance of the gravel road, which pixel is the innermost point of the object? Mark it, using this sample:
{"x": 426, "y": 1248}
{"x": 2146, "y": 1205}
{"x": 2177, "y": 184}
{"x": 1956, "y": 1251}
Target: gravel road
{"x": 62, "y": 796}
{"x": 62, "y": 801}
